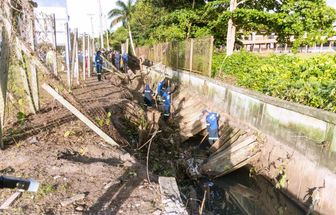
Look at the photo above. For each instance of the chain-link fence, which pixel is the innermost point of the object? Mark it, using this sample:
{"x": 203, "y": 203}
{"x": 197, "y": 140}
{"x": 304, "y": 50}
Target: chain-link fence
{"x": 194, "y": 55}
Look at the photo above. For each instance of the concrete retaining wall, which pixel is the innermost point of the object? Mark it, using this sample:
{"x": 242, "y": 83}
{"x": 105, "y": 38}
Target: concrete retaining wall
{"x": 301, "y": 137}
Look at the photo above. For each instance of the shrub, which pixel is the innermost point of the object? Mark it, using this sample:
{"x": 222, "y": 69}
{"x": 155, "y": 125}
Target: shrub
{"x": 309, "y": 80}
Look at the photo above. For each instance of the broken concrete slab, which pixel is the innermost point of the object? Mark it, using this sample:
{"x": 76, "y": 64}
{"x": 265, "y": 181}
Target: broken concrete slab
{"x": 15, "y": 196}
{"x": 170, "y": 196}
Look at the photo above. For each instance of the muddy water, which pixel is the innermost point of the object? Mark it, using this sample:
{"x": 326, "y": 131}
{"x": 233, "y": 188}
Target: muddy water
{"x": 240, "y": 192}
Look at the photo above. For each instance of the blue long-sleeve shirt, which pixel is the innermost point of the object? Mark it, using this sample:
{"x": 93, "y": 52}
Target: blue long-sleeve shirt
{"x": 166, "y": 98}
{"x": 98, "y": 60}
{"x": 212, "y": 120}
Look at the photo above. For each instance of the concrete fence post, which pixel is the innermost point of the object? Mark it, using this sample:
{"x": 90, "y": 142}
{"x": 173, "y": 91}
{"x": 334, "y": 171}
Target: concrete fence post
{"x": 89, "y": 56}
{"x": 191, "y": 55}
{"x": 67, "y": 54}
{"x": 55, "y": 67}
{"x": 210, "y": 55}
{"x": 33, "y": 70}
{"x": 83, "y": 57}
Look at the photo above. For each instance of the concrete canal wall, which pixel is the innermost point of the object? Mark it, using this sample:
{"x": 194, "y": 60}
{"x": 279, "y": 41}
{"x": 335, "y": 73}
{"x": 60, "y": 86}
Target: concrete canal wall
{"x": 299, "y": 151}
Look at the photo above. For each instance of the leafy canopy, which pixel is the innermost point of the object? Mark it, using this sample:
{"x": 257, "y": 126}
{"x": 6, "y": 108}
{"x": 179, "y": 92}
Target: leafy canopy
{"x": 153, "y": 21}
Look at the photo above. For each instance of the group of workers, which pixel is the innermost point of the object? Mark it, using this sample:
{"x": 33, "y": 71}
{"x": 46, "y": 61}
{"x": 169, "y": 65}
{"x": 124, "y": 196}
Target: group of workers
{"x": 114, "y": 56}
{"x": 163, "y": 94}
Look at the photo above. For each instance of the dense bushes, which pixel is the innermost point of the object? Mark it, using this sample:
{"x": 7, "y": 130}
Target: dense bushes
{"x": 306, "y": 80}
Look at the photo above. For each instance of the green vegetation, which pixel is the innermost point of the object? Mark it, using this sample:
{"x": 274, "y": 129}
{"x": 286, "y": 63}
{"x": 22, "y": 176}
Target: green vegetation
{"x": 154, "y": 21}
{"x": 306, "y": 80}
{"x": 301, "y": 79}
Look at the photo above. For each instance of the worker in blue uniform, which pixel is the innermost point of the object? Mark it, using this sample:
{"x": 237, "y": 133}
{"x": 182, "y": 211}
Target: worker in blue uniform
{"x": 148, "y": 99}
{"x": 212, "y": 125}
{"x": 166, "y": 97}
{"x": 117, "y": 60}
{"x": 160, "y": 88}
{"x": 125, "y": 62}
{"x": 99, "y": 64}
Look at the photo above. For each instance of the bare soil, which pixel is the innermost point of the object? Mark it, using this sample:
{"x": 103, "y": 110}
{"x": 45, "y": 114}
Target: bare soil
{"x": 67, "y": 158}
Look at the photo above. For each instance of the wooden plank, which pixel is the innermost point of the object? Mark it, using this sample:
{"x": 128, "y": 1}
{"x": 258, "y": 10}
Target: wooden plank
{"x": 72, "y": 199}
{"x": 233, "y": 141}
{"x": 230, "y": 160}
{"x": 234, "y": 137}
{"x": 249, "y": 158}
{"x": 225, "y": 137}
{"x": 10, "y": 200}
{"x": 233, "y": 148}
{"x": 231, "y": 134}
{"x": 170, "y": 196}
{"x": 223, "y": 134}
{"x": 78, "y": 114}
{"x": 238, "y": 141}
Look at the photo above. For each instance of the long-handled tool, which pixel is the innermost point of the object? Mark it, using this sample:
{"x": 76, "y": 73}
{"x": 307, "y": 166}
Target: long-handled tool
{"x": 29, "y": 185}
{"x": 203, "y": 139}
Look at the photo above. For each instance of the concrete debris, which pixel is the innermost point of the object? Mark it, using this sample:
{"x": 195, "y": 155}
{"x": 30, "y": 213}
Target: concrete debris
{"x": 56, "y": 177}
{"x": 157, "y": 212}
{"x": 73, "y": 199}
{"x": 170, "y": 197}
{"x": 11, "y": 200}
{"x": 32, "y": 140}
{"x": 79, "y": 208}
{"x": 127, "y": 157}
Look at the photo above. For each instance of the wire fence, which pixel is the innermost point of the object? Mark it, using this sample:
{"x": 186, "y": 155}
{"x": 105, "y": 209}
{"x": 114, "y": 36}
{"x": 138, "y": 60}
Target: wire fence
{"x": 193, "y": 55}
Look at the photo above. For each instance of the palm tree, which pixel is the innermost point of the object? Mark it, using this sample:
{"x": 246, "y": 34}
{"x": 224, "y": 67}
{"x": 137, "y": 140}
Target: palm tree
{"x": 123, "y": 14}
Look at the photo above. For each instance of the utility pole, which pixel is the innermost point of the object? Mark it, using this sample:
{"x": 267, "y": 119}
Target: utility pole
{"x": 101, "y": 25}
{"x": 231, "y": 32}
{"x": 91, "y": 19}
{"x": 107, "y": 33}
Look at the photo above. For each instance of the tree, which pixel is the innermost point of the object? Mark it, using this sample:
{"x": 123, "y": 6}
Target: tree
{"x": 309, "y": 21}
{"x": 123, "y": 14}
{"x": 119, "y": 36}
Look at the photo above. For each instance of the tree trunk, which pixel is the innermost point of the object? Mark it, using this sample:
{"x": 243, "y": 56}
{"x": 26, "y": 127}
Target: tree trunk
{"x": 131, "y": 39}
{"x": 231, "y": 32}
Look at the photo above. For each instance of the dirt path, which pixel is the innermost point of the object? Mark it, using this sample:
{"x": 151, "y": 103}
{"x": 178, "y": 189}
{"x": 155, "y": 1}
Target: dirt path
{"x": 67, "y": 158}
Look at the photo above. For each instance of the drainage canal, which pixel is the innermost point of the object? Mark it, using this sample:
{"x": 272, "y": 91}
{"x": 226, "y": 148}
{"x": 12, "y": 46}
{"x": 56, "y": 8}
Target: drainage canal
{"x": 175, "y": 151}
